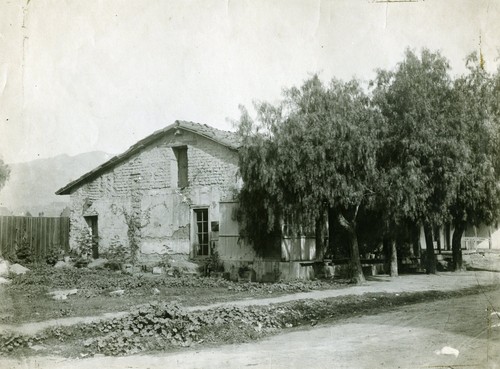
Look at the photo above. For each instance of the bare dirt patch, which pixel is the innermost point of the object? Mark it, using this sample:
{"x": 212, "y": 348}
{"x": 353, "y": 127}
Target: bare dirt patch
{"x": 28, "y": 299}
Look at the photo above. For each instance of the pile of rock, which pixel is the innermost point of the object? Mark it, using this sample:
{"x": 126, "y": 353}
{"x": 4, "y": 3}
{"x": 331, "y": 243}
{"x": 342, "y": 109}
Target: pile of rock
{"x": 65, "y": 263}
{"x": 175, "y": 268}
{"x": 100, "y": 263}
{"x": 62, "y": 294}
{"x": 6, "y": 268}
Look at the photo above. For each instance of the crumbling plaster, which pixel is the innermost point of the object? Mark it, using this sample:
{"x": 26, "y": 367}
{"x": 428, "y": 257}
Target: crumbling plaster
{"x": 145, "y": 186}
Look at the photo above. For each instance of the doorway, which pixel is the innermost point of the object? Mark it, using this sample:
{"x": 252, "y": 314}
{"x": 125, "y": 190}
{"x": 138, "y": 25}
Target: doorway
{"x": 92, "y": 223}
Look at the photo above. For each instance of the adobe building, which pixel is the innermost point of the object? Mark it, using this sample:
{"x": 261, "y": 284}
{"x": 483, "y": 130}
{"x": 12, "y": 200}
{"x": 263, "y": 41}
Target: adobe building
{"x": 163, "y": 193}
{"x": 174, "y": 193}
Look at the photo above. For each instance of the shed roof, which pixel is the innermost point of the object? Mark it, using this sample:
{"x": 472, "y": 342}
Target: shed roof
{"x": 225, "y": 138}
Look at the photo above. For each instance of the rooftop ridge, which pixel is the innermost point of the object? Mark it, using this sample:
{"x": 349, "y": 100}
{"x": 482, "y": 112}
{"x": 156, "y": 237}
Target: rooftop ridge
{"x": 225, "y": 138}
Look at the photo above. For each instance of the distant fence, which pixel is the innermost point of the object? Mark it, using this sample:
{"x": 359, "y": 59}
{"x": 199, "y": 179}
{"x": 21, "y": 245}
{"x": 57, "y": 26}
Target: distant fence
{"x": 43, "y": 234}
{"x": 473, "y": 243}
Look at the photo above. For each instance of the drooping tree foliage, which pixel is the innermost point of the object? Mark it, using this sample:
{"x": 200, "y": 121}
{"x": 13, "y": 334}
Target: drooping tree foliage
{"x": 316, "y": 156}
{"x": 417, "y": 149}
{"x": 261, "y": 205}
{"x": 475, "y": 113}
{"x": 421, "y": 153}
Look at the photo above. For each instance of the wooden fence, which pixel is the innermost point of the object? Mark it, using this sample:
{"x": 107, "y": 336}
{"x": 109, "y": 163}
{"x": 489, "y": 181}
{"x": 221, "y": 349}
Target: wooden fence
{"x": 42, "y": 234}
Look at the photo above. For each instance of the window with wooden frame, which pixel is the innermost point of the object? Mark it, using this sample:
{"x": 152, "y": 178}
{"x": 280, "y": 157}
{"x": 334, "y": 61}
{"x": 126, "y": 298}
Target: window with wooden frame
{"x": 201, "y": 231}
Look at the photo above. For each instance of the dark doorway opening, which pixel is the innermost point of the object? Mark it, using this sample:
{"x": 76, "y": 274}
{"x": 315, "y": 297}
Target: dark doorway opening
{"x": 92, "y": 223}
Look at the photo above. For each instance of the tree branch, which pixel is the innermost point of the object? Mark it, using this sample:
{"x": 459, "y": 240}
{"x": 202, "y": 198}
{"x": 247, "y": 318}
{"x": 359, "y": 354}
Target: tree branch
{"x": 344, "y": 222}
{"x": 356, "y": 212}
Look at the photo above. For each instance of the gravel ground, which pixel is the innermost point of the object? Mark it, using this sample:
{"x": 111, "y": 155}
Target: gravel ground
{"x": 446, "y": 281}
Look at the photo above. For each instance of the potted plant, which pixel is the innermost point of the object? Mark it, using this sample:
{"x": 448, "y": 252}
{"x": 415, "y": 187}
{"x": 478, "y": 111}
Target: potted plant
{"x": 215, "y": 267}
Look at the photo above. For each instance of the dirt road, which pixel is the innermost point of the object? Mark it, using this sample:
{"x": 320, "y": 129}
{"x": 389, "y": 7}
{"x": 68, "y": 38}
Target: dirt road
{"x": 406, "y": 283}
{"x": 407, "y": 337}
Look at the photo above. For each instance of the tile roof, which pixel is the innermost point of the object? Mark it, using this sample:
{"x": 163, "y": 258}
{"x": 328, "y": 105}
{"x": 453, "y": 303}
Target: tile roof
{"x": 225, "y": 138}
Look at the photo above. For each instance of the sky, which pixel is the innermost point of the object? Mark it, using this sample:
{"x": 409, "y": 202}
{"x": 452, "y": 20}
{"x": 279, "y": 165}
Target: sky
{"x": 79, "y": 76}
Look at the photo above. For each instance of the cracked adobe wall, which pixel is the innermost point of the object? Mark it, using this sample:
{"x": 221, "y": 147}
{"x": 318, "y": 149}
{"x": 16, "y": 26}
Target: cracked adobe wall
{"x": 144, "y": 188}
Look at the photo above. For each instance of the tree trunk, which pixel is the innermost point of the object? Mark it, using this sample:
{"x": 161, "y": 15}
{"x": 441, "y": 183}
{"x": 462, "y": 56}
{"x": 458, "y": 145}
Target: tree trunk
{"x": 320, "y": 247}
{"x": 350, "y": 227}
{"x": 415, "y": 235}
{"x": 332, "y": 220}
{"x": 356, "y": 269}
{"x": 386, "y": 249}
{"x": 447, "y": 233}
{"x": 394, "y": 259}
{"x": 429, "y": 246}
{"x": 437, "y": 237}
{"x": 456, "y": 246}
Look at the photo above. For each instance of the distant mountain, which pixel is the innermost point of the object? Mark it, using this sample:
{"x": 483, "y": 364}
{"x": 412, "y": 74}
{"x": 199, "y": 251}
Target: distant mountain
{"x": 32, "y": 185}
